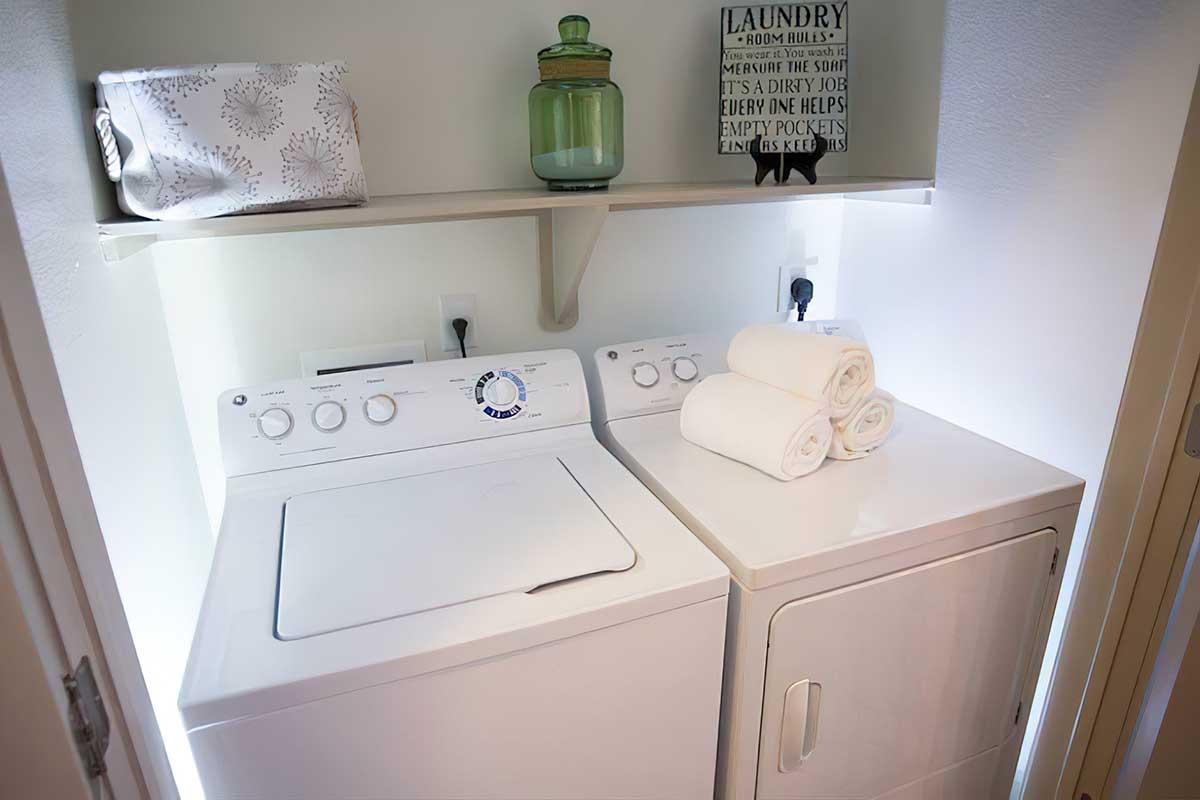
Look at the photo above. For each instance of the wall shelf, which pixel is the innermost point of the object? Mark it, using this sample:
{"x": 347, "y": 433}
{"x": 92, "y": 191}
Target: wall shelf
{"x": 569, "y": 223}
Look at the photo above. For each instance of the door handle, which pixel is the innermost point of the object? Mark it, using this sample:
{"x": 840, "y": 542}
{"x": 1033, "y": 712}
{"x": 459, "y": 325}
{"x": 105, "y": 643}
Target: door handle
{"x": 801, "y": 713}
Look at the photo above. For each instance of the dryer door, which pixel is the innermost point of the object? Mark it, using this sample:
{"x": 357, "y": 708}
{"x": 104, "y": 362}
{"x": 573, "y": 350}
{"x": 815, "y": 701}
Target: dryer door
{"x": 883, "y": 683}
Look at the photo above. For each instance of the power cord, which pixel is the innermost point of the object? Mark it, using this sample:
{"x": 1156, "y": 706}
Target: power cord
{"x": 802, "y": 294}
{"x": 460, "y": 329}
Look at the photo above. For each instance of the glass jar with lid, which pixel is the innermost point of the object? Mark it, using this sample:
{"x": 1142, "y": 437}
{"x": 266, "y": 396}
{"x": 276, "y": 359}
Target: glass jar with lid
{"x": 576, "y": 114}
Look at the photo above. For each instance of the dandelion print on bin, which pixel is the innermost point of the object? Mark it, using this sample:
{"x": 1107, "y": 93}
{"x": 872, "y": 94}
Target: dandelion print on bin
{"x": 215, "y": 139}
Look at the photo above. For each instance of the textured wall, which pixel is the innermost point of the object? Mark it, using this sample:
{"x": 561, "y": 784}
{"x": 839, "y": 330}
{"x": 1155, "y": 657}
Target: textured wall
{"x": 1010, "y": 306}
{"x": 110, "y": 345}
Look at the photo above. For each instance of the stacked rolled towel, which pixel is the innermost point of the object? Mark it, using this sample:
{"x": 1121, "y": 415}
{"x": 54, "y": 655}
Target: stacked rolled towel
{"x": 779, "y": 433}
{"x": 792, "y": 398}
{"x": 833, "y": 370}
{"x": 863, "y": 429}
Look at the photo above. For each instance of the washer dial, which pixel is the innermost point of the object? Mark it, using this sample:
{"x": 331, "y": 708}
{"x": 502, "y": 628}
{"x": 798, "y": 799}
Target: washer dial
{"x": 275, "y": 423}
{"x": 645, "y": 374}
{"x": 684, "y": 369}
{"x": 329, "y": 416}
{"x": 500, "y": 394}
{"x": 380, "y": 409}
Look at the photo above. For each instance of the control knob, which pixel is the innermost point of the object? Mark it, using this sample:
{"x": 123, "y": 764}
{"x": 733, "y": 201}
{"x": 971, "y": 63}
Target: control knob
{"x": 329, "y": 416}
{"x": 685, "y": 369}
{"x": 380, "y": 409}
{"x": 275, "y": 423}
{"x": 501, "y": 392}
{"x": 645, "y": 374}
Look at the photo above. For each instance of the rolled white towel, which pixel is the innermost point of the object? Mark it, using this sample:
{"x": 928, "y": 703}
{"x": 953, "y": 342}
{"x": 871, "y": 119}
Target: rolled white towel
{"x": 863, "y": 429}
{"x": 781, "y": 434}
{"x": 833, "y": 370}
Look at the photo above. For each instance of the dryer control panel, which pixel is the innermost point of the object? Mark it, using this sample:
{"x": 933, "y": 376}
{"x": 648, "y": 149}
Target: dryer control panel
{"x": 655, "y": 375}
{"x": 367, "y": 412}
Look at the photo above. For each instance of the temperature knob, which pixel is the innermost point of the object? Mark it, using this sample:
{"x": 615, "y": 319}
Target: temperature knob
{"x": 685, "y": 369}
{"x": 645, "y": 374}
{"x": 329, "y": 416}
{"x": 380, "y": 409}
{"x": 275, "y": 423}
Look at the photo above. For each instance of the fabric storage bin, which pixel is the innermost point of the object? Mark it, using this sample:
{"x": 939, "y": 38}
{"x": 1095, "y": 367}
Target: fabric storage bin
{"x": 206, "y": 140}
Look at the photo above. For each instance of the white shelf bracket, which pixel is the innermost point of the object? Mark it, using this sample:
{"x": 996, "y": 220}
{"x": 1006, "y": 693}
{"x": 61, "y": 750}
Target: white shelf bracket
{"x": 566, "y": 239}
{"x": 119, "y": 248}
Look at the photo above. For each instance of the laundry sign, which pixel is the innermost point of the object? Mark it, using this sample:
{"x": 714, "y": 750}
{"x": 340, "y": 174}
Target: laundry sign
{"x": 784, "y": 76}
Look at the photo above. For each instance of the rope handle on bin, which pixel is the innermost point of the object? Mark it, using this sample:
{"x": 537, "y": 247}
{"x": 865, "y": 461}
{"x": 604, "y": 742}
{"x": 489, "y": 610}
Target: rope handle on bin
{"x": 102, "y": 119}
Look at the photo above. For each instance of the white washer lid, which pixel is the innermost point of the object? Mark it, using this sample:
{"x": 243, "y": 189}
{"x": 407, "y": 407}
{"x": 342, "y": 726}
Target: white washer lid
{"x": 370, "y": 552}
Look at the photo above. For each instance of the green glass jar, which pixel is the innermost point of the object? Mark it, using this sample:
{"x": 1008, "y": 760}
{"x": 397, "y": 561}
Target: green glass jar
{"x": 576, "y": 114}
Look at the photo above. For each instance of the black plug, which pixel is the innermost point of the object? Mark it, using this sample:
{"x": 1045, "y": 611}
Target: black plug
{"x": 460, "y": 329}
{"x": 802, "y": 294}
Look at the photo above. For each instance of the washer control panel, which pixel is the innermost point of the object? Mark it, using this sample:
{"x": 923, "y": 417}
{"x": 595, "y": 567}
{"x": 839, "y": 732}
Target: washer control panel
{"x": 655, "y": 374}
{"x": 368, "y": 412}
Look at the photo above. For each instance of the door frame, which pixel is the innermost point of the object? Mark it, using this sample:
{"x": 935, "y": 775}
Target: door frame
{"x": 35, "y": 757}
{"x": 1146, "y": 440}
{"x": 1144, "y": 627}
{"x": 66, "y": 548}
{"x": 1178, "y": 623}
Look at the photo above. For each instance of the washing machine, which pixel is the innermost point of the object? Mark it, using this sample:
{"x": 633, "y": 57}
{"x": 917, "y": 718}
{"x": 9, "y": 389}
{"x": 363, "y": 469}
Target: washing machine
{"x": 431, "y": 581}
{"x": 887, "y": 616}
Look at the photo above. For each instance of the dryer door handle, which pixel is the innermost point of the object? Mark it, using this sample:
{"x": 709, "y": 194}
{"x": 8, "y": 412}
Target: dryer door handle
{"x": 801, "y": 713}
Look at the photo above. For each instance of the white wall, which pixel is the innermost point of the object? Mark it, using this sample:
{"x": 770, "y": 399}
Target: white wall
{"x": 1010, "y": 306}
{"x": 109, "y": 341}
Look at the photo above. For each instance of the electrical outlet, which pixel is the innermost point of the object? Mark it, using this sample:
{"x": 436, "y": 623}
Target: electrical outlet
{"x": 783, "y": 297}
{"x": 452, "y": 306}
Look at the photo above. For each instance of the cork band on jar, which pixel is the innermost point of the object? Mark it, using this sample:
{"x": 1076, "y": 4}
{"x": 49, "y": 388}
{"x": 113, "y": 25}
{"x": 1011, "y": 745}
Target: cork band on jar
{"x": 565, "y": 68}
